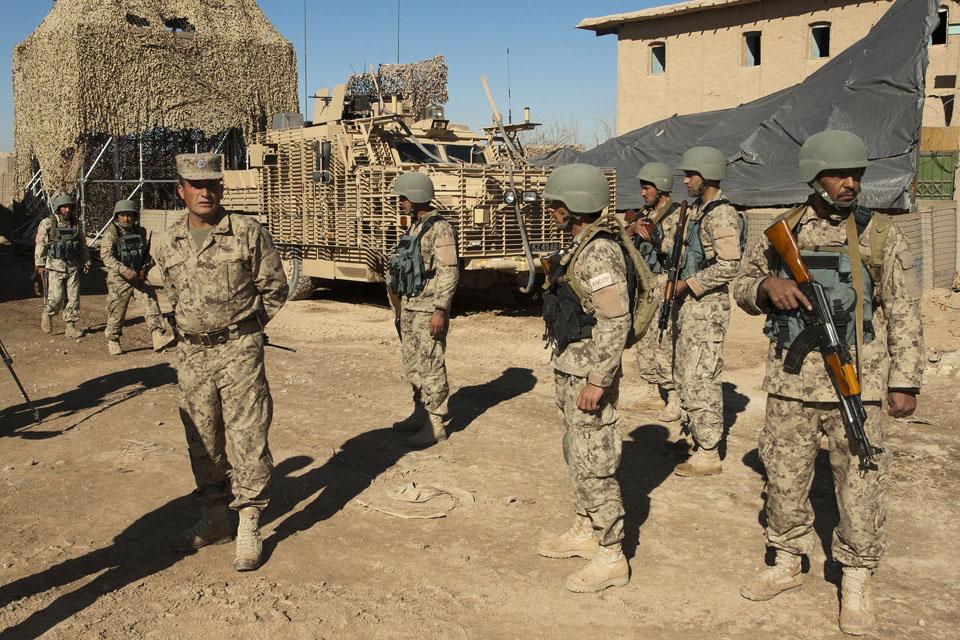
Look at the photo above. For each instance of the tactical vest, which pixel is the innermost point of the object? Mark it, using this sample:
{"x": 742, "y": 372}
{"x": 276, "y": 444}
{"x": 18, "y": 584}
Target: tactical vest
{"x": 694, "y": 255}
{"x": 63, "y": 242}
{"x": 649, "y": 249}
{"x": 130, "y": 249}
{"x": 831, "y": 268}
{"x": 408, "y": 276}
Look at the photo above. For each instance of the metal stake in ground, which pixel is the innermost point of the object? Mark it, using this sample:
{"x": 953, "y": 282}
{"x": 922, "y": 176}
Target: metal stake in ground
{"x": 8, "y": 360}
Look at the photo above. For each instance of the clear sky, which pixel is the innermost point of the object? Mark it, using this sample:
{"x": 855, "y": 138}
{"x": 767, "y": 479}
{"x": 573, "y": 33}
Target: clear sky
{"x": 562, "y": 73}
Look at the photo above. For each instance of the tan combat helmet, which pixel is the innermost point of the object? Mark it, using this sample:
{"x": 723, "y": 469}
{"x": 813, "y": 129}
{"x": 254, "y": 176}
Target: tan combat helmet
{"x": 125, "y": 206}
{"x": 657, "y": 174}
{"x": 831, "y": 149}
{"x": 710, "y": 163}
{"x": 63, "y": 200}
{"x": 414, "y": 186}
{"x": 582, "y": 188}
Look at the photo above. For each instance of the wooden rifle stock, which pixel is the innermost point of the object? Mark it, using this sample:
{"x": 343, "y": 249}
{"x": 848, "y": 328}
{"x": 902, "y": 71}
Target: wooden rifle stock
{"x": 673, "y": 271}
{"x": 783, "y": 241}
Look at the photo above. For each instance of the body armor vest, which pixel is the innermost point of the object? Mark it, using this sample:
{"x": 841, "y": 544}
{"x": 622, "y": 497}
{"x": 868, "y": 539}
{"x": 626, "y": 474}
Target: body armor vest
{"x": 565, "y": 318}
{"x": 130, "y": 249}
{"x": 64, "y": 242}
{"x": 649, "y": 249}
{"x": 408, "y": 276}
{"x": 694, "y": 255}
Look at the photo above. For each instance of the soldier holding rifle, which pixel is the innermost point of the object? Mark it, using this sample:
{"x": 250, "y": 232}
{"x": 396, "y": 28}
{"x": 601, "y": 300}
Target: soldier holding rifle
{"x": 875, "y": 312}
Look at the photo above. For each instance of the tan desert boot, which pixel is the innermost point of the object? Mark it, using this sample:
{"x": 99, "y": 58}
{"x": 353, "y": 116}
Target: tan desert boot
{"x": 856, "y": 608}
{"x": 652, "y": 400}
{"x": 672, "y": 412}
{"x": 704, "y": 462}
{"x": 576, "y": 542}
{"x": 249, "y": 544}
{"x": 431, "y": 433}
{"x": 163, "y": 339}
{"x": 46, "y": 325}
{"x": 608, "y": 568}
{"x": 772, "y": 581}
{"x": 72, "y": 331}
{"x": 113, "y": 346}
{"x": 213, "y": 527}
{"x": 413, "y": 422}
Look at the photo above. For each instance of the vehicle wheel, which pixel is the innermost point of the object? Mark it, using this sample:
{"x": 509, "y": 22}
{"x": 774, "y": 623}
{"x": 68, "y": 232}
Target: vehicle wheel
{"x": 301, "y": 286}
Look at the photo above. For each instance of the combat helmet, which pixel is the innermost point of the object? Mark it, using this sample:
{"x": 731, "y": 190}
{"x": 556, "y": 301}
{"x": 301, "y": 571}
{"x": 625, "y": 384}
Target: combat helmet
{"x": 62, "y": 200}
{"x": 125, "y": 206}
{"x": 710, "y": 163}
{"x": 657, "y": 174}
{"x": 831, "y": 149}
{"x": 581, "y": 187}
{"x": 414, "y": 186}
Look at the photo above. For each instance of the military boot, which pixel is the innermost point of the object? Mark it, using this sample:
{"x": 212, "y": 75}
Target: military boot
{"x": 113, "y": 346}
{"x": 249, "y": 544}
{"x": 213, "y": 527}
{"x": 46, "y": 325}
{"x": 578, "y": 541}
{"x": 163, "y": 339}
{"x": 413, "y": 422}
{"x": 431, "y": 433}
{"x": 72, "y": 331}
{"x": 856, "y": 609}
{"x": 651, "y": 400}
{"x": 704, "y": 462}
{"x": 782, "y": 576}
{"x": 608, "y": 568}
{"x": 672, "y": 412}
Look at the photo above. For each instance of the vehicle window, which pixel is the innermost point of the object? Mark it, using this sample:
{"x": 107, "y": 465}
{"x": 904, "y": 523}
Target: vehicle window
{"x": 464, "y": 153}
{"x": 410, "y": 152}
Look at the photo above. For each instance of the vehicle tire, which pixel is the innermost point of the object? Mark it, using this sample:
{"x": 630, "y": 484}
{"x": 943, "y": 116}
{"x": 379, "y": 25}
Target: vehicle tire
{"x": 301, "y": 286}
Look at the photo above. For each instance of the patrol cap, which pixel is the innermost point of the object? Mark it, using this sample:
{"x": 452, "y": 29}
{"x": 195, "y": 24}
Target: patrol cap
{"x": 200, "y": 166}
{"x": 414, "y": 186}
{"x": 831, "y": 149}
{"x": 710, "y": 163}
{"x": 581, "y": 187}
{"x": 657, "y": 174}
{"x": 125, "y": 206}
{"x": 63, "y": 199}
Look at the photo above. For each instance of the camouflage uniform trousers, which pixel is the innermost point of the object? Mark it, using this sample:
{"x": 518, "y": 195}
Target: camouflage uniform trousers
{"x": 593, "y": 445}
{"x": 655, "y": 358}
{"x": 119, "y": 292}
{"x": 224, "y": 395}
{"x": 698, "y": 347}
{"x": 63, "y": 291}
{"x": 423, "y": 361}
{"x": 789, "y": 444}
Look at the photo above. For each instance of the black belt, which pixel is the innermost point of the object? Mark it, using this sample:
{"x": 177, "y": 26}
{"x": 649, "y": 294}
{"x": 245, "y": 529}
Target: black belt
{"x": 220, "y": 336}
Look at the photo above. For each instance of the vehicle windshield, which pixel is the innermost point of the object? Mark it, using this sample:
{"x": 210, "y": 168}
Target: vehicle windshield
{"x": 468, "y": 154}
{"x": 410, "y": 152}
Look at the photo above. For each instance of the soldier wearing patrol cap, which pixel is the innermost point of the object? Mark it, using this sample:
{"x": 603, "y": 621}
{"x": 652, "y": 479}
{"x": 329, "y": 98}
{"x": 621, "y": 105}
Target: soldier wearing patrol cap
{"x": 711, "y": 258}
{"x": 881, "y": 326}
{"x": 424, "y": 273}
{"x": 125, "y": 252}
{"x": 654, "y": 230}
{"x": 224, "y": 278}
{"x": 587, "y": 348}
{"x": 60, "y": 254}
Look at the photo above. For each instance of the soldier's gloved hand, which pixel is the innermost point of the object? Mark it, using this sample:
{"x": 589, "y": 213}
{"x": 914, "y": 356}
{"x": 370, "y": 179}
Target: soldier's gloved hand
{"x": 129, "y": 274}
{"x": 438, "y": 324}
{"x": 901, "y": 404}
{"x": 589, "y": 398}
{"x": 783, "y": 293}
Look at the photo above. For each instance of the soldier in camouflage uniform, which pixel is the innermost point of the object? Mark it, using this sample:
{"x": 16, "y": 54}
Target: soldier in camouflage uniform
{"x": 425, "y": 314}
{"x": 225, "y": 281}
{"x": 711, "y": 259}
{"x": 60, "y": 254}
{"x": 653, "y": 234}
{"x": 587, "y": 348}
{"x": 125, "y": 254}
{"x": 803, "y": 407}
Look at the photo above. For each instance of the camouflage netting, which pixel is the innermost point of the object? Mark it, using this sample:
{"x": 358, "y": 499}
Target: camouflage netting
{"x": 424, "y": 82}
{"x": 112, "y": 67}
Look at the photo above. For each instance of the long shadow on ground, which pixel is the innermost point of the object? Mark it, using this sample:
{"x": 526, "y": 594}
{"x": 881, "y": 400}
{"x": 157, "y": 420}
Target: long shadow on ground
{"x": 644, "y": 466}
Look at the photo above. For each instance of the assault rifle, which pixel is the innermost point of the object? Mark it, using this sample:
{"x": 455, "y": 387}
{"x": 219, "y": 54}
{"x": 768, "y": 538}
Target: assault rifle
{"x": 145, "y": 269}
{"x": 673, "y": 271}
{"x": 821, "y": 331}
{"x": 395, "y": 305}
{"x": 8, "y": 360}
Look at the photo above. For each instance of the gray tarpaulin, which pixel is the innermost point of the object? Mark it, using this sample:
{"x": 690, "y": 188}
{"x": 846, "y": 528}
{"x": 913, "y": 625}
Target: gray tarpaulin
{"x": 874, "y": 88}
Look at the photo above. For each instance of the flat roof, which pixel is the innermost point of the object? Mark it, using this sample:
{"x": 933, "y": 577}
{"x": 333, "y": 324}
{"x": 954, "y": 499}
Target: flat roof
{"x": 606, "y": 25}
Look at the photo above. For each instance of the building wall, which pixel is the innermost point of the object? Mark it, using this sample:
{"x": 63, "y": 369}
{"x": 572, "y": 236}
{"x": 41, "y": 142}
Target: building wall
{"x": 705, "y": 67}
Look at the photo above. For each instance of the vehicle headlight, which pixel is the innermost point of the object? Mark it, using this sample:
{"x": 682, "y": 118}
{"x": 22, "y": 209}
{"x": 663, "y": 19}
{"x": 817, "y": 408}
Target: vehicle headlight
{"x": 509, "y": 196}
{"x": 530, "y": 196}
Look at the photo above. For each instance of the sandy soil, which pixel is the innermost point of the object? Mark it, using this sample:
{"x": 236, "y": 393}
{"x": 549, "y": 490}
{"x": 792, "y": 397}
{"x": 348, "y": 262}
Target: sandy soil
{"x": 91, "y": 494}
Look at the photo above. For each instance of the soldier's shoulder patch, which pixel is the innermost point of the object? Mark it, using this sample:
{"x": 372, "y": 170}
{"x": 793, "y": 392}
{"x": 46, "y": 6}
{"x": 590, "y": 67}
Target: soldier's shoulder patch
{"x": 601, "y": 281}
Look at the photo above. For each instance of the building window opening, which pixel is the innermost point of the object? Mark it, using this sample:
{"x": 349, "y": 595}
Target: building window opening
{"x": 939, "y": 35}
{"x": 751, "y": 49}
{"x": 820, "y": 41}
{"x": 658, "y": 58}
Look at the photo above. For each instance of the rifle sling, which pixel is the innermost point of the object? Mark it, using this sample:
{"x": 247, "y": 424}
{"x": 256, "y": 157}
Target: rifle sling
{"x": 853, "y": 243}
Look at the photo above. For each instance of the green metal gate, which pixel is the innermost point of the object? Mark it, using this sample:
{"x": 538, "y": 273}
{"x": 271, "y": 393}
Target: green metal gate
{"x": 935, "y": 172}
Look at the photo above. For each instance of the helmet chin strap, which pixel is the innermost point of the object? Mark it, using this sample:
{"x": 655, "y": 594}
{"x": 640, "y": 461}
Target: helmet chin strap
{"x": 839, "y": 206}
{"x": 571, "y": 217}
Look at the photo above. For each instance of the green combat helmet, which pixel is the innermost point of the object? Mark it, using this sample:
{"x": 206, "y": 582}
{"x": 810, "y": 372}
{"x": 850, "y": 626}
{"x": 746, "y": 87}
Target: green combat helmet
{"x": 414, "y": 186}
{"x": 657, "y": 174}
{"x": 710, "y": 163}
{"x": 581, "y": 187}
{"x": 831, "y": 149}
{"x": 125, "y": 206}
{"x": 62, "y": 200}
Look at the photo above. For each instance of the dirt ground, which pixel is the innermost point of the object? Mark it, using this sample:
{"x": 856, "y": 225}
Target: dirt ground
{"x": 91, "y": 494}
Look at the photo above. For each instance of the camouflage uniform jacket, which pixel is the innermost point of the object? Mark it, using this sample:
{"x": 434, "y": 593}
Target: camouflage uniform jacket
{"x": 720, "y": 236}
{"x": 601, "y": 270}
{"x": 236, "y": 275}
{"x": 438, "y": 249}
{"x": 108, "y": 245}
{"x": 668, "y": 225}
{"x": 41, "y": 249}
{"x": 893, "y": 359}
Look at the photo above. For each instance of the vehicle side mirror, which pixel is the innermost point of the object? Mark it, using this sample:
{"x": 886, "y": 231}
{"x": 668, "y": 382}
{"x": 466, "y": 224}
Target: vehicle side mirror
{"x": 323, "y": 159}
